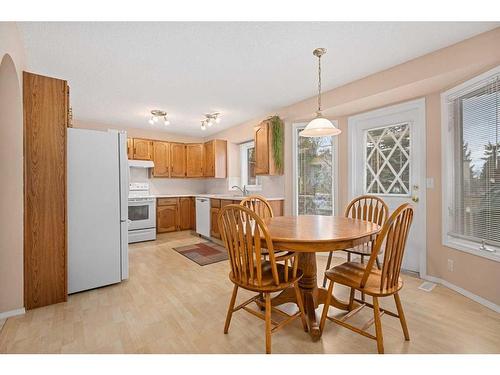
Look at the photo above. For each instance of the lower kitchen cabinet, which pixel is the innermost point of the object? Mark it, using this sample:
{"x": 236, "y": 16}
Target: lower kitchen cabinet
{"x": 173, "y": 214}
{"x": 186, "y": 213}
{"x": 214, "y": 226}
{"x": 167, "y": 218}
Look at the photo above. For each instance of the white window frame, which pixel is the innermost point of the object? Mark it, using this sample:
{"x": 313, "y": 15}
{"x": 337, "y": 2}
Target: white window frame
{"x": 244, "y": 170}
{"x": 335, "y": 183}
{"x": 447, "y": 168}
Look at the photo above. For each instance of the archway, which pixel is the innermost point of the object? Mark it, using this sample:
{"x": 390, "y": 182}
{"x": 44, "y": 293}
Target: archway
{"x": 11, "y": 195}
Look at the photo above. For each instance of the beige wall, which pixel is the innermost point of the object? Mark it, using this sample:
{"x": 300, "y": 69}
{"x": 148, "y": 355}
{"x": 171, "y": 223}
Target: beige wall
{"x": 11, "y": 169}
{"x": 426, "y": 76}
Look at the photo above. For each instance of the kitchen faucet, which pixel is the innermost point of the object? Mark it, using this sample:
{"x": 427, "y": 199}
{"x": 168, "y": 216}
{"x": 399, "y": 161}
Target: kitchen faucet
{"x": 244, "y": 191}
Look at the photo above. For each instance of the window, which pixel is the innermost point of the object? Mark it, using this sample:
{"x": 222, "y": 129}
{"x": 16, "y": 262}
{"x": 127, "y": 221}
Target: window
{"x": 314, "y": 171}
{"x": 387, "y": 160}
{"x": 247, "y": 157}
{"x": 471, "y": 143}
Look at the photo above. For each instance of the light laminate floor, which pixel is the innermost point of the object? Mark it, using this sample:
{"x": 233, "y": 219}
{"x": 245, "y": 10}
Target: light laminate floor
{"x": 172, "y": 305}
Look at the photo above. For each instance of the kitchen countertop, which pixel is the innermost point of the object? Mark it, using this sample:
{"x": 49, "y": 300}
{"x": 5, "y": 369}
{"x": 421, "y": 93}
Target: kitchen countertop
{"x": 213, "y": 196}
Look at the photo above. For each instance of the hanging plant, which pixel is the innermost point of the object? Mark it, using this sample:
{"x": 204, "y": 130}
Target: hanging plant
{"x": 277, "y": 132}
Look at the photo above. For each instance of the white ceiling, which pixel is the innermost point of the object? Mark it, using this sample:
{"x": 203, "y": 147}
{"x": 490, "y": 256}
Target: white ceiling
{"x": 118, "y": 72}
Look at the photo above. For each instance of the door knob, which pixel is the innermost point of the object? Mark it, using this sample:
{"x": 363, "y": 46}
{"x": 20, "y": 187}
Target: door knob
{"x": 414, "y": 198}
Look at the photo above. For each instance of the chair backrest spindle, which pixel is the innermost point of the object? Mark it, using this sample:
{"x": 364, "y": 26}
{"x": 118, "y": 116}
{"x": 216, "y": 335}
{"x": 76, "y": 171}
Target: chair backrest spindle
{"x": 245, "y": 235}
{"x": 394, "y": 235}
{"x": 369, "y": 208}
{"x": 259, "y": 205}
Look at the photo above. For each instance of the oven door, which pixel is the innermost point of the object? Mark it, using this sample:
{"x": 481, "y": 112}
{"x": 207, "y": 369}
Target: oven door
{"x": 141, "y": 213}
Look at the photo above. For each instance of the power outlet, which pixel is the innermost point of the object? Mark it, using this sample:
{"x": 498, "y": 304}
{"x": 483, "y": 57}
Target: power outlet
{"x": 450, "y": 265}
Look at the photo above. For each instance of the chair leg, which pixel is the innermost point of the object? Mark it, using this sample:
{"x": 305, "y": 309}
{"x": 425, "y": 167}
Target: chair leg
{"x": 268, "y": 323}
{"x": 378, "y": 326}
{"x": 301, "y": 306}
{"x": 362, "y": 259}
{"x": 348, "y": 256}
{"x": 230, "y": 309}
{"x": 378, "y": 262}
{"x": 328, "y": 263}
{"x": 326, "y": 306}
{"x": 402, "y": 318}
{"x": 351, "y": 298}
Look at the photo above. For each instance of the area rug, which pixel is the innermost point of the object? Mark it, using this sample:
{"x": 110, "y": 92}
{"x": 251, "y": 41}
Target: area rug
{"x": 203, "y": 253}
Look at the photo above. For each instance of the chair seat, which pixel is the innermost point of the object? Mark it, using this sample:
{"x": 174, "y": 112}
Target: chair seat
{"x": 268, "y": 284}
{"x": 351, "y": 273}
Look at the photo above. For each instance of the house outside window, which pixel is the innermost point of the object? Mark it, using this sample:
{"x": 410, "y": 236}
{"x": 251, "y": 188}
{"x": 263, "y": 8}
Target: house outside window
{"x": 471, "y": 165}
{"x": 247, "y": 158}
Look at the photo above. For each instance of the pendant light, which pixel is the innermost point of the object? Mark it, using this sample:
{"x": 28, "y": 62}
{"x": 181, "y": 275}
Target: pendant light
{"x": 320, "y": 126}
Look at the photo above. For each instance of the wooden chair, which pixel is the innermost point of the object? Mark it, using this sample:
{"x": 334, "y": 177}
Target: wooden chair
{"x": 374, "y": 282}
{"x": 259, "y": 205}
{"x": 365, "y": 207}
{"x": 241, "y": 230}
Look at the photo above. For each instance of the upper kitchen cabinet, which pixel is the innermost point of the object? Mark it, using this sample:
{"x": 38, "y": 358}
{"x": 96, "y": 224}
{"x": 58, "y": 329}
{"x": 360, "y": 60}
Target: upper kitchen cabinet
{"x": 194, "y": 160}
{"x": 215, "y": 155}
{"x": 177, "y": 160}
{"x": 143, "y": 149}
{"x": 161, "y": 157}
{"x": 45, "y": 104}
{"x": 268, "y": 148}
{"x": 130, "y": 148}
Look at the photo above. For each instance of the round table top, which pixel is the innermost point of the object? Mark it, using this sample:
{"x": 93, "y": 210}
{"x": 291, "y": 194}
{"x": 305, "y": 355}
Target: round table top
{"x": 314, "y": 233}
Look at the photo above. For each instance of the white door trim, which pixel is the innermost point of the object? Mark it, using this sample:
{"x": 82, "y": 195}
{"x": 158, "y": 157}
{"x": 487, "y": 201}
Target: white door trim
{"x": 420, "y": 138}
{"x": 335, "y": 156}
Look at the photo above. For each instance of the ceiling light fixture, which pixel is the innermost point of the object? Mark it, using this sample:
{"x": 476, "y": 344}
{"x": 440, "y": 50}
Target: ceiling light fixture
{"x": 210, "y": 119}
{"x": 156, "y": 114}
{"x": 320, "y": 126}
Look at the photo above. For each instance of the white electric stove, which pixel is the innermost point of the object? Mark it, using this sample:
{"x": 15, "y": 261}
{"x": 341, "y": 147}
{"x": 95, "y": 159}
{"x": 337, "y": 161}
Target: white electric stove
{"x": 141, "y": 213}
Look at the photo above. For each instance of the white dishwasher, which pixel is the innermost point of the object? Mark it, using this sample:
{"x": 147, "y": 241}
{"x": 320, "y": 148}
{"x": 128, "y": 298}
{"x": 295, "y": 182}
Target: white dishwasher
{"x": 203, "y": 216}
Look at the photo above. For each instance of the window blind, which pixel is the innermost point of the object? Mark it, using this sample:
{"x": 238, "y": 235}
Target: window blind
{"x": 474, "y": 116}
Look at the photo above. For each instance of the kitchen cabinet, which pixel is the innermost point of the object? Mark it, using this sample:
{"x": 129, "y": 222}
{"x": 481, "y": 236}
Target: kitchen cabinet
{"x": 194, "y": 160}
{"x": 214, "y": 225}
{"x": 161, "y": 159}
{"x": 173, "y": 214}
{"x": 45, "y": 106}
{"x": 214, "y": 212}
{"x": 167, "y": 215}
{"x": 177, "y": 160}
{"x": 143, "y": 149}
{"x": 264, "y": 152}
{"x": 215, "y": 158}
{"x": 130, "y": 148}
{"x": 277, "y": 206}
{"x": 186, "y": 208}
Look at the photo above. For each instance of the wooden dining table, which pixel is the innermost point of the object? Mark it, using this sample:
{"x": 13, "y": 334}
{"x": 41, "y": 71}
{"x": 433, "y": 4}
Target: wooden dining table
{"x": 308, "y": 235}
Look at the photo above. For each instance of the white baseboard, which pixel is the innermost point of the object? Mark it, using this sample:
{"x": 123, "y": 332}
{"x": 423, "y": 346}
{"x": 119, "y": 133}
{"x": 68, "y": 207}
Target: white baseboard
{"x": 466, "y": 293}
{"x": 11, "y": 313}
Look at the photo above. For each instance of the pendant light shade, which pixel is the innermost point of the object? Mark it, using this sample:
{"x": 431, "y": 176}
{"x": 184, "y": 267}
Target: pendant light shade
{"x": 320, "y": 126}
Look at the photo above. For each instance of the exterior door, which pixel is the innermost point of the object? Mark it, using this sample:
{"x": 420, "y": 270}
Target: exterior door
{"x": 387, "y": 159}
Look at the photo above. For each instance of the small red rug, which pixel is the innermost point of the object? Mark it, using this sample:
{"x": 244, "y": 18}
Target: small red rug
{"x": 203, "y": 253}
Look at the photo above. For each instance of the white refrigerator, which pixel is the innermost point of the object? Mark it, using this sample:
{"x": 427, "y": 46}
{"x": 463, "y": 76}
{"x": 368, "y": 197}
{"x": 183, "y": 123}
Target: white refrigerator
{"x": 97, "y": 170}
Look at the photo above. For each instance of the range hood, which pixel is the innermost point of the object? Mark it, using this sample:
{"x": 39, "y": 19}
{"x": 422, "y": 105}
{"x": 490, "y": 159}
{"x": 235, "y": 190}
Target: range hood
{"x": 140, "y": 164}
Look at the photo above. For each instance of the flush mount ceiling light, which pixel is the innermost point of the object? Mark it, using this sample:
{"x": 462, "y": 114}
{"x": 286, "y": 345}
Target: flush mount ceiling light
{"x": 156, "y": 115}
{"x": 210, "y": 119}
{"x": 320, "y": 126}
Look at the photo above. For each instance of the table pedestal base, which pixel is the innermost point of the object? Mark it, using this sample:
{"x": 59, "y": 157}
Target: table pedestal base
{"x": 312, "y": 295}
